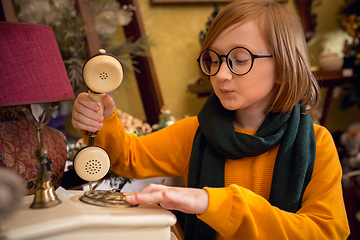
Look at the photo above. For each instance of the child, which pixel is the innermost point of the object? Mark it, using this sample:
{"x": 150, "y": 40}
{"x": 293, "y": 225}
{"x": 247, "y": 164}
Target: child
{"x": 255, "y": 165}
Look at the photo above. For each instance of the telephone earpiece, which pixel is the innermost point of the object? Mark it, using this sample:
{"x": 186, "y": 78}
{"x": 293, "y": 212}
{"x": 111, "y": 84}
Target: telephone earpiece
{"x": 103, "y": 73}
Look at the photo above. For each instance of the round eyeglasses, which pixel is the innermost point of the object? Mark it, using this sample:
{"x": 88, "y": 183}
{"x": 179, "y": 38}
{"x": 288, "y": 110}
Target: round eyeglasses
{"x": 239, "y": 60}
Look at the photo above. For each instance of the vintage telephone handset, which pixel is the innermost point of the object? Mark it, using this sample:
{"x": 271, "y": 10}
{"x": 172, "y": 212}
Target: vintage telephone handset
{"x": 102, "y": 73}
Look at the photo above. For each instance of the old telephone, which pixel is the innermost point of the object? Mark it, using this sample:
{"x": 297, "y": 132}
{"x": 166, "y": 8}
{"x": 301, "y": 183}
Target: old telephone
{"x": 102, "y": 73}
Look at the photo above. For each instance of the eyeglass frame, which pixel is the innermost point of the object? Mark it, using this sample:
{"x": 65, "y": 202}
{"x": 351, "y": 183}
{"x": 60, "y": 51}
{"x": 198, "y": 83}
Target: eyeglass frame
{"x": 253, "y": 57}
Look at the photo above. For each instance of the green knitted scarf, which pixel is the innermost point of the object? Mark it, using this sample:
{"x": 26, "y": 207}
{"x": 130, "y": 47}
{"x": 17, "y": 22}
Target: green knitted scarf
{"x": 216, "y": 140}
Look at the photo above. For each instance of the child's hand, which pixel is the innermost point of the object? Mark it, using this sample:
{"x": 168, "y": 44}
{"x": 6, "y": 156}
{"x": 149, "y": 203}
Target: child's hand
{"x": 85, "y": 114}
{"x": 187, "y": 200}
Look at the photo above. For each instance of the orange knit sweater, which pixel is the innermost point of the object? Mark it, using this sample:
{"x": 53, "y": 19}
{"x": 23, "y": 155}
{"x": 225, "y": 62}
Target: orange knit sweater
{"x": 240, "y": 210}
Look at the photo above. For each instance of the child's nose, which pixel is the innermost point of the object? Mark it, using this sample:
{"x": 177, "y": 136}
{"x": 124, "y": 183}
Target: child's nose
{"x": 224, "y": 72}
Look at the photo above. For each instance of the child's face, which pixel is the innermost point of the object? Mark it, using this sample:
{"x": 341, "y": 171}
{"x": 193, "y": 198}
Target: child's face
{"x": 252, "y": 91}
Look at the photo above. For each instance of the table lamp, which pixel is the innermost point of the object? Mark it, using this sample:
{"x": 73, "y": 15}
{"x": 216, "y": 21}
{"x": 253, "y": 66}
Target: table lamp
{"x": 31, "y": 72}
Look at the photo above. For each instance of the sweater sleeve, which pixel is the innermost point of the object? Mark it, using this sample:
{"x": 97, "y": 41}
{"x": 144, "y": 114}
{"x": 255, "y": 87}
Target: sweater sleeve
{"x": 246, "y": 215}
{"x": 162, "y": 153}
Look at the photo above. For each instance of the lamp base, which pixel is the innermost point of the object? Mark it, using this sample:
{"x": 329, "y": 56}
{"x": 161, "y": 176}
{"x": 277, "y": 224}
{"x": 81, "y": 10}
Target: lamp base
{"x": 45, "y": 195}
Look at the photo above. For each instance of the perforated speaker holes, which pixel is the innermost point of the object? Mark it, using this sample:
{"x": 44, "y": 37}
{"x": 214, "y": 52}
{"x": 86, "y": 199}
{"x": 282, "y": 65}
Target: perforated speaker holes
{"x": 103, "y": 76}
{"x": 93, "y": 166}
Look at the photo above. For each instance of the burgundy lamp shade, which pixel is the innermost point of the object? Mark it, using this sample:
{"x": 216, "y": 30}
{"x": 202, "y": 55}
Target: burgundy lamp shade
{"x": 31, "y": 67}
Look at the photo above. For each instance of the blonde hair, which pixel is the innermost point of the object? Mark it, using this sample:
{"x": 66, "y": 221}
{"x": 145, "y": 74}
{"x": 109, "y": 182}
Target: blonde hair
{"x": 283, "y": 31}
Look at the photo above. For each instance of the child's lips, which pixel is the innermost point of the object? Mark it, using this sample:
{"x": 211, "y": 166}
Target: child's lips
{"x": 226, "y": 91}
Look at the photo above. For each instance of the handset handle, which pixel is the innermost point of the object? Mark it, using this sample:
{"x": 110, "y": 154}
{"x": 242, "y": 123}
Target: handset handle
{"x": 97, "y": 97}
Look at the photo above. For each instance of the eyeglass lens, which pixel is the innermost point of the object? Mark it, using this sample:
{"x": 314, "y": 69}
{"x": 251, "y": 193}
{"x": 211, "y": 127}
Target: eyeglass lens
{"x": 239, "y": 61}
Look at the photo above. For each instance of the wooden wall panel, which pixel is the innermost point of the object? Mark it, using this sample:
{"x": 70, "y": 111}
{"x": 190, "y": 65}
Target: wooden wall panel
{"x": 146, "y": 78}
